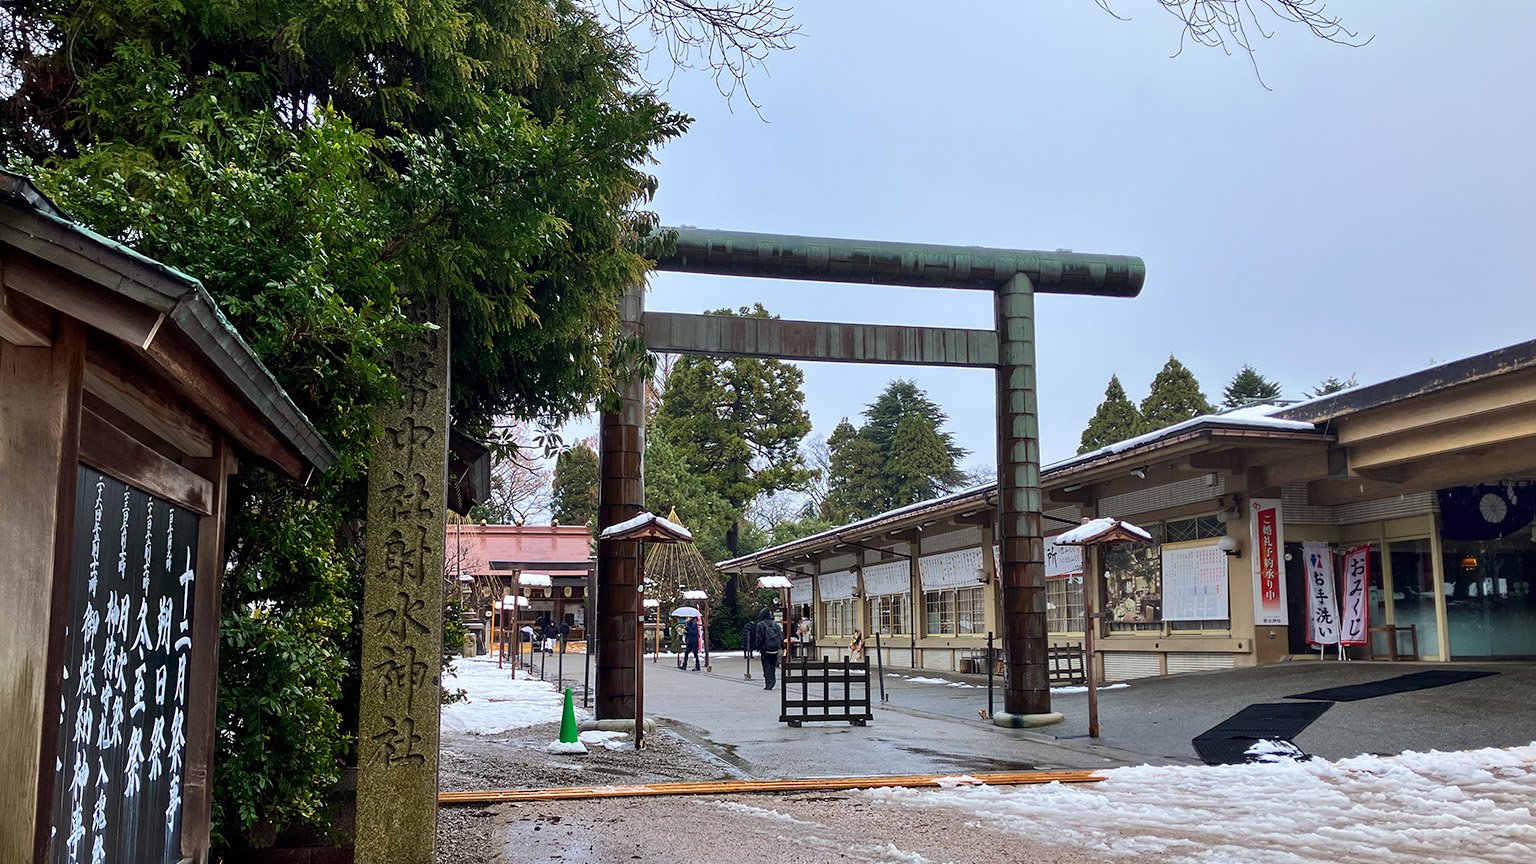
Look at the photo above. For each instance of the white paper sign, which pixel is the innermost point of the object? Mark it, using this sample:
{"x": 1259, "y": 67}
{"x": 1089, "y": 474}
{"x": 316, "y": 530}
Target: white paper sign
{"x": 957, "y": 569}
{"x": 1322, "y": 606}
{"x": 1062, "y": 560}
{"x": 1195, "y": 584}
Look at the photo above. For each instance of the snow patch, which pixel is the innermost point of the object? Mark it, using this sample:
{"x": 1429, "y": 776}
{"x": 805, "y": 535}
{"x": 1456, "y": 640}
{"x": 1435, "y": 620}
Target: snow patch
{"x": 498, "y": 702}
{"x": 760, "y": 812}
{"x": 573, "y": 748}
{"x": 1422, "y": 807}
{"x": 1102, "y": 687}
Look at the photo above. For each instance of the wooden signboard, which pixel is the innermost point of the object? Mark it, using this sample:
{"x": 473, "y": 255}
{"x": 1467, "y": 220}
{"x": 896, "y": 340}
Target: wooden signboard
{"x": 122, "y": 722}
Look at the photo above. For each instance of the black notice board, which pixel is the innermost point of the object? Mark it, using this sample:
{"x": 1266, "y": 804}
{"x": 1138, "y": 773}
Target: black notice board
{"x": 122, "y": 715}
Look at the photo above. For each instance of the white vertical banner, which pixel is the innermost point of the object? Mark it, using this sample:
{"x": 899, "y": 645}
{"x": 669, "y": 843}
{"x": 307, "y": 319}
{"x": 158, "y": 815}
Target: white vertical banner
{"x": 1267, "y": 542}
{"x": 1356, "y": 598}
{"x": 1322, "y": 605}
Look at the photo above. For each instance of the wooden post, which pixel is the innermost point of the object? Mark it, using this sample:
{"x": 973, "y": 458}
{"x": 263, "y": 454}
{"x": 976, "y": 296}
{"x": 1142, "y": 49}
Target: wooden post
{"x": 1093, "y": 556}
{"x": 40, "y": 413}
{"x": 621, "y": 495}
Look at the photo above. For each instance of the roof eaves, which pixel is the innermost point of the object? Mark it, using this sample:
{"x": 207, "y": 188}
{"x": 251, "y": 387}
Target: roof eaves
{"x": 188, "y": 305}
{"x": 1479, "y": 367}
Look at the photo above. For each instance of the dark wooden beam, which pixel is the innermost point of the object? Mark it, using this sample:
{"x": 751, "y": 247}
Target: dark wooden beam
{"x": 113, "y": 451}
{"x": 1231, "y": 461}
{"x": 196, "y": 383}
{"x": 733, "y": 336}
{"x": 111, "y": 376}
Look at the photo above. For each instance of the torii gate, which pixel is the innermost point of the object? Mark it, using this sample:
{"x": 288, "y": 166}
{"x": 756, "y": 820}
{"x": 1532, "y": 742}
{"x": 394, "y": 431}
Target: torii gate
{"x": 1013, "y": 277}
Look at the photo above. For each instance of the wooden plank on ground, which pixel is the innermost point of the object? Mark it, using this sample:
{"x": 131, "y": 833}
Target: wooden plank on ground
{"x": 736, "y": 787}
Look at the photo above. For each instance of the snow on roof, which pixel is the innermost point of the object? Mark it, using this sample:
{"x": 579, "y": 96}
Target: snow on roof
{"x": 879, "y": 517}
{"x": 1093, "y": 529}
{"x": 774, "y": 582}
{"x": 535, "y": 580}
{"x": 1249, "y": 416}
{"x": 644, "y": 519}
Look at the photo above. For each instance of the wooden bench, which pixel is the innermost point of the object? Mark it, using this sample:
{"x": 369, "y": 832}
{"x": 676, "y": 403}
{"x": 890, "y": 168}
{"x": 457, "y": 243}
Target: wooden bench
{"x": 1391, "y": 631}
{"x": 820, "y": 690}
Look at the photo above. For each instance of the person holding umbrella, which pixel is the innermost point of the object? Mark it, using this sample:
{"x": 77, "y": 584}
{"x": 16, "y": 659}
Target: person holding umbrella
{"x": 692, "y": 635}
{"x": 691, "y": 643}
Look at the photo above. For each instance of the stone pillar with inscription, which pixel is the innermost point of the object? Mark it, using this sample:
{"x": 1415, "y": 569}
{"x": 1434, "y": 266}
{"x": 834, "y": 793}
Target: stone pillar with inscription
{"x": 620, "y": 497}
{"x": 1021, "y": 567}
{"x": 403, "y": 608}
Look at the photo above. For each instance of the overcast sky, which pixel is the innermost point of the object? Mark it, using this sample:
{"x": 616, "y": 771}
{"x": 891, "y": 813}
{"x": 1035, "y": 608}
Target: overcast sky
{"x": 1370, "y": 215}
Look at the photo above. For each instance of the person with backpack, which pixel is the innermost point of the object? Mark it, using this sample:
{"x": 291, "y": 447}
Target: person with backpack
{"x": 770, "y": 638}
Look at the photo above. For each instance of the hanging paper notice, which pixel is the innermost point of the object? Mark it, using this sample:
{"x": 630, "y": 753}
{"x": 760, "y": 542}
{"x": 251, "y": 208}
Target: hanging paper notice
{"x": 1062, "y": 560}
{"x": 1356, "y": 612}
{"x": 1322, "y": 605}
{"x": 1267, "y": 540}
{"x": 1194, "y": 583}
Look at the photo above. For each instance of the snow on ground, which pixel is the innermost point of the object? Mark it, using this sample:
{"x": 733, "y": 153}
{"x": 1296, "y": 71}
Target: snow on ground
{"x": 1102, "y": 687}
{"x": 497, "y": 702}
{"x": 923, "y": 679}
{"x": 1473, "y": 806}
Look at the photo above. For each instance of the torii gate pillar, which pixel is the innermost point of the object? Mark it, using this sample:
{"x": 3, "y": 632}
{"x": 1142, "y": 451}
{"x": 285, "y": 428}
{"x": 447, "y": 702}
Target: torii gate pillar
{"x": 620, "y": 497}
{"x": 1021, "y": 568}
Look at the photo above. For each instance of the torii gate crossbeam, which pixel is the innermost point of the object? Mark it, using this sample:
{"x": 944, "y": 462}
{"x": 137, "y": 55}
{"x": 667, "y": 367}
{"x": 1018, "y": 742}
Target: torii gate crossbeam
{"x": 1013, "y": 277}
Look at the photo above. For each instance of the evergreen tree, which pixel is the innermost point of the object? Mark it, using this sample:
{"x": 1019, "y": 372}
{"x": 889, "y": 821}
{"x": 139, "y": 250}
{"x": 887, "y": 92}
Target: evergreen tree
{"x": 574, "y": 500}
{"x": 855, "y": 485}
{"x": 1116, "y": 419}
{"x": 1175, "y": 397}
{"x": 737, "y": 424}
{"x": 1331, "y": 385}
{"x": 920, "y": 464}
{"x": 319, "y": 166}
{"x": 1248, "y": 387}
{"x": 901, "y": 455}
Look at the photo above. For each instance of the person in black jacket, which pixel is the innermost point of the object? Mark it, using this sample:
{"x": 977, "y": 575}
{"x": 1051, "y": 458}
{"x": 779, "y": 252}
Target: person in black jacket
{"x": 691, "y": 642}
{"x": 770, "y": 638}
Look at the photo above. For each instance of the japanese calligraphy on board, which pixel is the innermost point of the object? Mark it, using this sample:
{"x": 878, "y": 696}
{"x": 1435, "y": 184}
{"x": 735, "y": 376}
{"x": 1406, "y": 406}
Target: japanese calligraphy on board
{"x": 1195, "y": 583}
{"x": 402, "y": 608}
{"x": 1322, "y": 604}
{"x": 1267, "y": 540}
{"x": 1061, "y": 561}
{"x": 122, "y": 721}
{"x": 1355, "y": 601}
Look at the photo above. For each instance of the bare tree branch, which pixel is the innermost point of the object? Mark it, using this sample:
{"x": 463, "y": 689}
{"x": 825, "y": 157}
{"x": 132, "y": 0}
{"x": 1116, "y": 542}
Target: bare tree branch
{"x": 1227, "y": 24}
{"x": 728, "y": 37}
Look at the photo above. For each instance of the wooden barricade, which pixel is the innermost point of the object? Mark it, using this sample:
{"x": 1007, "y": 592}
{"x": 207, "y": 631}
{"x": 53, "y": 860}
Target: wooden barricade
{"x": 816, "y": 690}
{"x": 1065, "y": 662}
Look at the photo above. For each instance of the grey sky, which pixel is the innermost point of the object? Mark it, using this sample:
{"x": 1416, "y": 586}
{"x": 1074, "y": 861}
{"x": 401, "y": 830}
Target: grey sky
{"x": 1369, "y": 215}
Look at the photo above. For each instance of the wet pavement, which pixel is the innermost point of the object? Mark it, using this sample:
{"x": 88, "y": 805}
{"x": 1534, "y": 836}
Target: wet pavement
{"x": 938, "y": 728}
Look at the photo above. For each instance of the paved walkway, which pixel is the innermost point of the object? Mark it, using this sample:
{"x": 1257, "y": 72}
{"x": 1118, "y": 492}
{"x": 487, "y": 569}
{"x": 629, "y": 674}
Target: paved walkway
{"x": 932, "y": 728}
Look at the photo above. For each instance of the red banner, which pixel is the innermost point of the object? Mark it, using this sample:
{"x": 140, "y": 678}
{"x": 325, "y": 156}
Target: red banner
{"x": 1268, "y": 544}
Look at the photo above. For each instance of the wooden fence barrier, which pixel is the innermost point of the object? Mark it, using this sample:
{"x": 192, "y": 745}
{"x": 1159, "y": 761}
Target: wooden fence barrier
{"x": 817, "y": 690}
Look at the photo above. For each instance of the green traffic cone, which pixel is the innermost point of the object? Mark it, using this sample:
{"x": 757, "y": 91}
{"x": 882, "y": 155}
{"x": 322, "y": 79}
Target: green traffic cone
{"x": 568, "y": 734}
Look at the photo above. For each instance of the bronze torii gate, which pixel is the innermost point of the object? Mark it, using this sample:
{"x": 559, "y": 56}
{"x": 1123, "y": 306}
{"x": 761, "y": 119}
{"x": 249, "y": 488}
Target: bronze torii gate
{"x": 1013, "y": 277}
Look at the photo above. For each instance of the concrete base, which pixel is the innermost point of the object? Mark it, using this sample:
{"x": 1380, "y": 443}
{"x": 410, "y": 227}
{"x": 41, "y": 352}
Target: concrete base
{"x": 1022, "y": 721}
{"x": 625, "y": 726}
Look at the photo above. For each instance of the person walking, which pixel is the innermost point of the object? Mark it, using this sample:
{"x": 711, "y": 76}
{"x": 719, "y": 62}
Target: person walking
{"x": 770, "y": 638}
{"x": 691, "y": 639}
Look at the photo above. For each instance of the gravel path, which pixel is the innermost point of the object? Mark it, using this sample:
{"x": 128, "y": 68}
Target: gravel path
{"x": 516, "y": 760}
